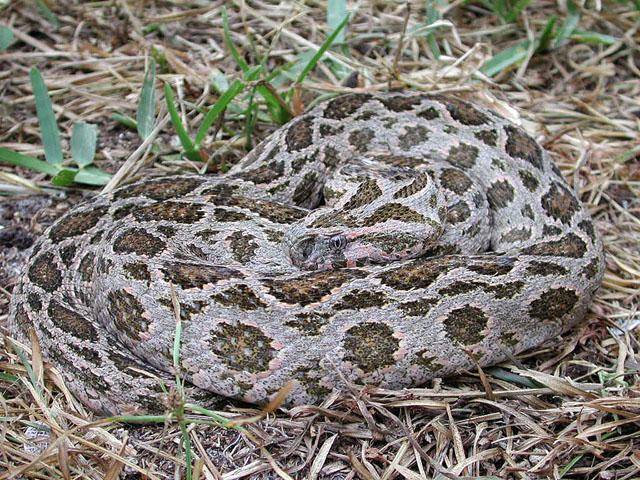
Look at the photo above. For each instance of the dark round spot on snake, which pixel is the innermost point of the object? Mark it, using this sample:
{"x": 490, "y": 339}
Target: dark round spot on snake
{"x": 455, "y": 180}
{"x": 505, "y": 290}
{"x": 459, "y": 212}
{"x": 71, "y": 322}
{"x": 461, "y": 286}
{"x": 360, "y": 140}
{"x": 76, "y": 224}
{"x": 462, "y": 111}
{"x": 591, "y": 269}
{"x": 491, "y": 266}
{"x": 240, "y": 296}
{"x": 521, "y": 145}
{"x": 489, "y": 137}
{"x": 518, "y": 234}
{"x": 550, "y": 230}
{"x": 402, "y": 103}
{"x": 344, "y": 105}
{"x": 179, "y": 212}
{"x": 35, "y": 304}
{"x": 429, "y": 113}
{"x": 44, "y": 272}
{"x": 160, "y": 189}
{"x": 463, "y": 156}
{"x": 136, "y": 271}
{"x": 265, "y": 173}
{"x": 553, "y": 304}
{"x": 413, "y": 136}
{"x": 309, "y": 323}
{"x": 22, "y": 320}
{"x": 559, "y": 203}
{"x": 307, "y": 191}
{"x": 366, "y": 193}
{"x": 121, "y": 212}
{"x": 67, "y": 254}
{"x": 127, "y": 314}
{"x": 527, "y": 211}
{"x": 196, "y": 275}
{"x": 330, "y": 157}
{"x": 327, "y": 130}
{"x": 545, "y": 268}
{"x": 587, "y": 227}
{"x": 311, "y": 287}
{"x": 139, "y": 241}
{"x": 393, "y": 211}
{"x": 418, "y": 308}
{"x": 229, "y": 215}
{"x": 361, "y": 299}
{"x": 167, "y": 230}
{"x": 242, "y": 347}
{"x": 370, "y": 346}
{"x": 419, "y": 273}
{"x": 417, "y": 185}
{"x": 500, "y": 194}
{"x": 466, "y": 324}
{"x": 243, "y": 246}
{"x": 529, "y": 180}
{"x": 300, "y": 134}
{"x": 273, "y": 211}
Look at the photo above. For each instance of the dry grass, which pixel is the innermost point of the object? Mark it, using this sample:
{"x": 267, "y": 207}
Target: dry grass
{"x": 570, "y": 409}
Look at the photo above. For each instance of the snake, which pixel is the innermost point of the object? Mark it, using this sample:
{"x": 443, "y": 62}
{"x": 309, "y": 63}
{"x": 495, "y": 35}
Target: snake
{"x": 379, "y": 239}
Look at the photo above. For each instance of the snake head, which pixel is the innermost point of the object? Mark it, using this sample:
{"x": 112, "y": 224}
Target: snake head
{"x": 319, "y": 252}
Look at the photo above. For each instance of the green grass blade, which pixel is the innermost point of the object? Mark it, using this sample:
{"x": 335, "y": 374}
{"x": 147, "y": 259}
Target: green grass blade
{"x": 48, "y": 15}
{"x": 236, "y": 87}
{"x": 83, "y": 143}
{"x": 6, "y": 37}
{"x": 185, "y": 140}
{"x": 512, "y": 14}
{"x": 92, "y": 175}
{"x": 323, "y": 48}
{"x": 547, "y": 35}
{"x": 336, "y": 11}
{"x": 25, "y": 161}
{"x": 229, "y": 42}
{"x": 506, "y": 59}
{"x": 586, "y": 36}
{"x": 46, "y": 118}
{"x": 432, "y": 15}
{"x": 570, "y": 23}
{"x": 146, "y": 114}
{"x": 125, "y": 120}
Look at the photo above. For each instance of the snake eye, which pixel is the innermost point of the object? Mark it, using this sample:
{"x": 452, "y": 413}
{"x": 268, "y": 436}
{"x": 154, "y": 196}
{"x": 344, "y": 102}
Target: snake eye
{"x": 338, "y": 242}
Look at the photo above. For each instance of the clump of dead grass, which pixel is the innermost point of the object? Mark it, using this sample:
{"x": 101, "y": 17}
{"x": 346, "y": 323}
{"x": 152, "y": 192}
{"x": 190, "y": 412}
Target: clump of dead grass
{"x": 569, "y": 409}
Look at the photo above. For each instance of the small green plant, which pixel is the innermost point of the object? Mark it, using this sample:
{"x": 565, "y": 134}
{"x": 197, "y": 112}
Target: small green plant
{"x": 83, "y": 145}
{"x": 6, "y": 37}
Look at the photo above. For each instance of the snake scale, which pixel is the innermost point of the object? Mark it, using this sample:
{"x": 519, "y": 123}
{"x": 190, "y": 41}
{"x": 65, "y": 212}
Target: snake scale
{"x": 380, "y": 239}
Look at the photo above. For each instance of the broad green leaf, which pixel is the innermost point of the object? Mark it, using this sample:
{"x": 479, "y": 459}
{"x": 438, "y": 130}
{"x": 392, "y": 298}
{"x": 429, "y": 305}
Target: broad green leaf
{"x": 236, "y": 87}
{"x": 185, "y": 140}
{"x": 506, "y": 58}
{"x": 220, "y": 82}
{"x": 146, "y": 114}
{"x": 48, "y": 126}
{"x": 323, "y": 48}
{"x": 6, "y": 37}
{"x": 64, "y": 177}
{"x": 83, "y": 143}
{"x": 92, "y": 175}
{"x": 20, "y": 160}
{"x": 336, "y": 11}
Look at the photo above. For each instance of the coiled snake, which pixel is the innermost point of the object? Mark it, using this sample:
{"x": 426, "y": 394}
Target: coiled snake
{"x": 380, "y": 239}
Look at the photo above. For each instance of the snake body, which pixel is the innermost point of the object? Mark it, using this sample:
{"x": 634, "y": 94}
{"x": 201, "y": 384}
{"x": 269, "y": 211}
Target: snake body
{"x": 380, "y": 239}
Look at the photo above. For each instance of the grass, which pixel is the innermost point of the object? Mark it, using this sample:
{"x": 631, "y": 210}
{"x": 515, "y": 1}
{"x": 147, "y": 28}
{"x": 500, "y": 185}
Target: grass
{"x": 568, "y": 73}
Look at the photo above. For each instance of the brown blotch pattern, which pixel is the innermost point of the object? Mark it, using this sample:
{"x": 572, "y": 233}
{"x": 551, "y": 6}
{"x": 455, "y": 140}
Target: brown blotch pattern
{"x": 492, "y": 267}
{"x": 240, "y": 296}
{"x": 71, "y": 322}
{"x": 243, "y": 246}
{"x": 466, "y": 324}
{"x": 139, "y": 241}
{"x": 454, "y": 180}
{"x": 170, "y": 211}
{"x": 361, "y": 299}
{"x": 490, "y": 137}
{"x": 309, "y": 324}
{"x": 505, "y": 290}
{"x": 311, "y": 287}
{"x": 461, "y": 111}
{"x": 529, "y": 180}
{"x": 86, "y": 267}
{"x": 229, "y": 215}
{"x": 419, "y": 273}
{"x": 392, "y": 211}
{"x": 242, "y": 347}
{"x": 521, "y": 145}
{"x": 136, "y": 271}
{"x": 126, "y": 312}
{"x": 265, "y": 173}
{"x": 67, "y": 254}
{"x": 587, "y": 227}
{"x": 307, "y": 190}
{"x": 553, "y": 304}
{"x": 366, "y": 193}
{"x": 76, "y": 224}
{"x": 44, "y": 273}
{"x": 345, "y": 105}
{"x": 34, "y": 302}
{"x": 516, "y": 235}
{"x": 300, "y": 134}
{"x": 458, "y": 213}
{"x": 162, "y": 189}
{"x": 401, "y": 103}
{"x": 559, "y": 203}
{"x": 360, "y": 140}
{"x": 418, "y": 308}
{"x": 417, "y": 185}
{"x": 413, "y": 136}
{"x": 545, "y": 268}
{"x": 569, "y": 246}
{"x": 463, "y": 156}
{"x": 500, "y": 194}
{"x": 370, "y": 346}
{"x": 195, "y": 275}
